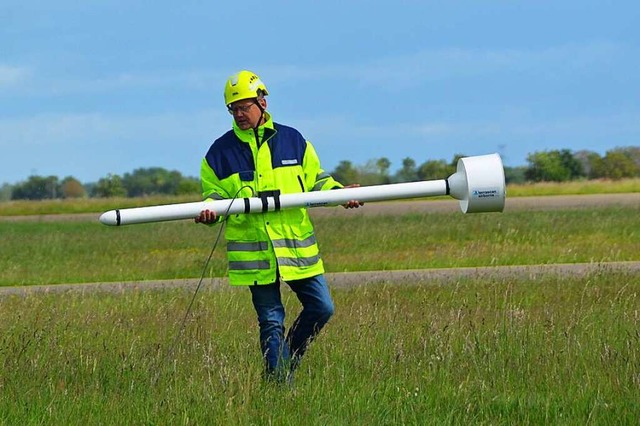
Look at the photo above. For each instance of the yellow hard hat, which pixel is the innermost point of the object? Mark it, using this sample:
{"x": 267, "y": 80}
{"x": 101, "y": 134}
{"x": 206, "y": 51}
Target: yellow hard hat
{"x": 243, "y": 85}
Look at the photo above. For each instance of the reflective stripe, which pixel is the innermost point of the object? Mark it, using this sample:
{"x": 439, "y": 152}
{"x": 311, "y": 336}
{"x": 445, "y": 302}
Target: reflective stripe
{"x": 214, "y": 196}
{"x": 321, "y": 179}
{"x": 298, "y": 261}
{"x": 292, "y": 244}
{"x": 243, "y": 265}
{"x": 318, "y": 186}
{"x": 239, "y": 246}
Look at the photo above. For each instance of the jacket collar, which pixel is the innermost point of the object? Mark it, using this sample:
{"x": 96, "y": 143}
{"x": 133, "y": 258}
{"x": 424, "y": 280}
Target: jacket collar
{"x": 249, "y": 135}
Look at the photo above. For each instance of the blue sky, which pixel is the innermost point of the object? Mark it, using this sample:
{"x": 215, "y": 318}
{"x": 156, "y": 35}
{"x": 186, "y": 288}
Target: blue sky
{"x": 97, "y": 87}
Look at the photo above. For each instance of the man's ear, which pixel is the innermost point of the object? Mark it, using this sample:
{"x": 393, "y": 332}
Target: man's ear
{"x": 263, "y": 102}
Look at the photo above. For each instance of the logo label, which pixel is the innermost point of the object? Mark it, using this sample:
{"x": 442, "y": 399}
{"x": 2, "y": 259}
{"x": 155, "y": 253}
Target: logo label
{"x": 484, "y": 193}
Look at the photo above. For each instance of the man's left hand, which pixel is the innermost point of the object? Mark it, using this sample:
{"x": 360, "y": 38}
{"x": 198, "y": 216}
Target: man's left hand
{"x": 353, "y": 204}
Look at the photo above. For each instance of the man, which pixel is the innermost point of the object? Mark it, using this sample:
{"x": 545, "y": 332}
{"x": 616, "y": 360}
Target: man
{"x": 258, "y": 158}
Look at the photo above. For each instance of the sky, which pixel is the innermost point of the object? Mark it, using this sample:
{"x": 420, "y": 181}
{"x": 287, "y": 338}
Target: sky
{"x": 91, "y": 88}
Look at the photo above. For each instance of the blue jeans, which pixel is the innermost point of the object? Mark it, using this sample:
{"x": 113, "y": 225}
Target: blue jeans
{"x": 283, "y": 355}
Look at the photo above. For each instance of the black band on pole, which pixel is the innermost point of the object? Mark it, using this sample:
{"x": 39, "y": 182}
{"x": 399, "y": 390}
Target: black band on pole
{"x": 117, "y": 217}
{"x": 247, "y": 206}
{"x": 276, "y": 199}
{"x": 265, "y": 202}
{"x": 446, "y": 182}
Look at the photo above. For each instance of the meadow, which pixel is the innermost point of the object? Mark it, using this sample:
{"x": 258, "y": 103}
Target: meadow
{"x": 538, "y": 350}
{"x": 544, "y": 349}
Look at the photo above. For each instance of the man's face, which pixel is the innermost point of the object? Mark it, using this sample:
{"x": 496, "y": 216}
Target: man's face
{"x": 246, "y": 112}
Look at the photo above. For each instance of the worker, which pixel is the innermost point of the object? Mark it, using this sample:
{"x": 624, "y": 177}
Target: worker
{"x": 260, "y": 158}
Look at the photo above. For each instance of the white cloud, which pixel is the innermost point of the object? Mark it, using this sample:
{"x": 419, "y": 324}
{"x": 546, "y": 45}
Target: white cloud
{"x": 407, "y": 70}
{"x": 189, "y": 79}
{"x": 11, "y": 76}
{"x": 94, "y": 128}
{"x": 499, "y": 124}
{"x": 396, "y": 72}
{"x": 89, "y": 146}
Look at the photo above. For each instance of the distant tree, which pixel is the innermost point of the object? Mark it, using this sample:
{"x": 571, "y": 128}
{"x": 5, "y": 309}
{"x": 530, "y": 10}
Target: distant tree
{"x": 574, "y": 166}
{"x": 544, "y": 166}
{"x": 5, "y": 192}
{"x": 150, "y": 181}
{"x": 553, "y": 166}
{"x": 514, "y": 175}
{"x": 37, "y": 188}
{"x": 618, "y": 164}
{"x": 408, "y": 172}
{"x": 188, "y": 186}
{"x": 383, "y": 164}
{"x": 435, "y": 169}
{"x": 370, "y": 174}
{"x": 589, "y": 161}
{"x": 633, "y": 152}
{"x": 454, "y": 161}
{"x": 89, "y": 187}
{"x": 110, "y": 186}
{"x": 72, "y": 188}
{"x": 346, "y": 173}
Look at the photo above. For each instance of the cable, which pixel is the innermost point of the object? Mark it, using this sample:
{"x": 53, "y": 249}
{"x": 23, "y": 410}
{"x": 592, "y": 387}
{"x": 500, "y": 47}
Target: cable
{"x": 195, "y": 293}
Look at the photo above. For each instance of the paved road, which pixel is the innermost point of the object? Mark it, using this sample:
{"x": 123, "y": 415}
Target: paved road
{"x": 351, "y": 279}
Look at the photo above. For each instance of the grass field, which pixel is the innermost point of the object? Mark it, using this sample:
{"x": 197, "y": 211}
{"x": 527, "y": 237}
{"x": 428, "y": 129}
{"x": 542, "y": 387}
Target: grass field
{"x": 546, "y": 349}
{"x": 575, "y": 187}
{"x": 524, "y": 351}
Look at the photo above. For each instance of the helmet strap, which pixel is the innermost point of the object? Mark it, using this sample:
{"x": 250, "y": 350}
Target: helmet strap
{"x": 261, "y": 113}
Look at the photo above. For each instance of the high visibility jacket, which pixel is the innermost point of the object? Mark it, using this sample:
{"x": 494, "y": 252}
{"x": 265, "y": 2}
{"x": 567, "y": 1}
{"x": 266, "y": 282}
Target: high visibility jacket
{"x": 248, "y": 163}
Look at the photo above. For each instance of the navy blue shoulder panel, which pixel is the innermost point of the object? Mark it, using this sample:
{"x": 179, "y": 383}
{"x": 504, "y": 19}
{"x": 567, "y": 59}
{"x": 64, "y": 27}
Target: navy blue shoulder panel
{"x": 287, "y": 147}
{"x": 229, "y": 155}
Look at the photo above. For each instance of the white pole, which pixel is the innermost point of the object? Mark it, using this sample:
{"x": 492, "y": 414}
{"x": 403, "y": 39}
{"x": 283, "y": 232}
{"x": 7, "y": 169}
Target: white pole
{"x": 478, "y": 183}
{"x": 273, "y": 202}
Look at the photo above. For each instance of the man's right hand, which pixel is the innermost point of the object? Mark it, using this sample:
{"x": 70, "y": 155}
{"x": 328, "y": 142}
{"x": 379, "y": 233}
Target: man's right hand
{"x": 207, "y": 217}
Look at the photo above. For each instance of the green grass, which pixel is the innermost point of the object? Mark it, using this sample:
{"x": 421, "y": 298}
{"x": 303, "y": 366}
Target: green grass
{"x": 61, "y": 252}
{"x": 580, "y": 187}
{"x": 544, "y": 349}
{"x": 86, "y": 205}
{"x": 474, "y": 351}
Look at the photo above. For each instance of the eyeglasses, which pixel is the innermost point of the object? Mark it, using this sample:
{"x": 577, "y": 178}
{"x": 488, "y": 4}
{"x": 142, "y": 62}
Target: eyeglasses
{"x": 239, "y": 108}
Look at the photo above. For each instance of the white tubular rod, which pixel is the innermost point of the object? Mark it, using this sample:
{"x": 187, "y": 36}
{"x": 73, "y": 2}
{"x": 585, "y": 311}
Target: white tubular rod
{"x": 272, "y": 202}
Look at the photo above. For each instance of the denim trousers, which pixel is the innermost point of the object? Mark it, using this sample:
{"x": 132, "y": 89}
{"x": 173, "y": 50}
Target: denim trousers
{"x": 282, "y": 356}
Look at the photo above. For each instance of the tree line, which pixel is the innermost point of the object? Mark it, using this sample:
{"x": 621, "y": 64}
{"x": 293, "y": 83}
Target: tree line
{"x": 542, "y": 166}
{"x": 141, "y": 182}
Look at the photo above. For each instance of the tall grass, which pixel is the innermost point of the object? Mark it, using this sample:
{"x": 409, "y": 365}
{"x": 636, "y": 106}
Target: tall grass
{"x": 579, "y": 187}
{"x": 548, "y": 349}
{"x": 86, "y": 205}
{"x": 484, "y": 351}
{"x": 59, "y": 252}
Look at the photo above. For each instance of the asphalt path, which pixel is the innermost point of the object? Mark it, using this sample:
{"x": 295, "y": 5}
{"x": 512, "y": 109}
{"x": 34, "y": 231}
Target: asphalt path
{"x": 355, "y": 279}
{"x": 350, "y": 279}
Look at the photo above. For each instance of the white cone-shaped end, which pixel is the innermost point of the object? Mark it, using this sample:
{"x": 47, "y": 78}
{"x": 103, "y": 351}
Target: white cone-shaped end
{"x": 109, "y": 218}
{"x": 479, "y": 184}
